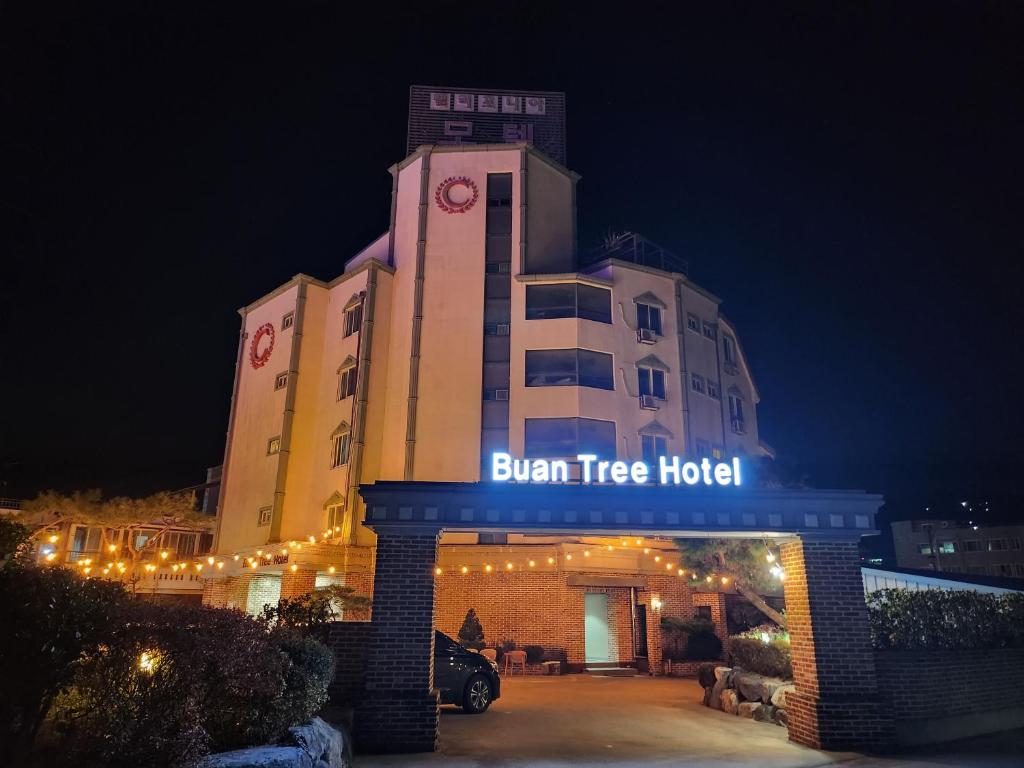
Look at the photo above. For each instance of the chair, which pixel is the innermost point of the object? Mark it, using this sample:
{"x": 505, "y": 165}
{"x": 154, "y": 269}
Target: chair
{"x": 489, "y": 653}
{"x": 512, "y": 658}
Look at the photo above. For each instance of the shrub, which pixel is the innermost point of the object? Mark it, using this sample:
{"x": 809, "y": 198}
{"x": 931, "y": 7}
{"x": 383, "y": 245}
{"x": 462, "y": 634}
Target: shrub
{"x": 51, "y": 618}
{"x": 534, "y": 653}
{"x": 471, "y": 633}
{"x": 933, "y": 618}
{"x": 174, "y": 682}
{"x": 689, "y": 639}
{"x": 754, "y": 655}
{"x": 313, "y": 612}
{"x": 503, "y": 646}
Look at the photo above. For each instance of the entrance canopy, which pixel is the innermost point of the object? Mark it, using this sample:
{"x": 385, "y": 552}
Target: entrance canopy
{"x": 599, "y": 509}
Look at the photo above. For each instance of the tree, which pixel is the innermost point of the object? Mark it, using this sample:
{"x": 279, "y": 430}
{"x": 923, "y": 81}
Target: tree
{"x": 313, "y": 612}
{"x": 13, "y": 538}
{"x": 741, "y": 560}
{"x": 471, "y": 634}
{"x": 163, "y": 512}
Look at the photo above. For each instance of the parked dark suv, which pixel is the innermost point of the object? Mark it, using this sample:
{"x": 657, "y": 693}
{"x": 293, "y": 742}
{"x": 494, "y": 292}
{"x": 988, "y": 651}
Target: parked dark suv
{"x": 464, "y": 677}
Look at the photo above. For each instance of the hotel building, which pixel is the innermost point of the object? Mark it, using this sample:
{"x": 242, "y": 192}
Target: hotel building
{"x": 475, "y": 324}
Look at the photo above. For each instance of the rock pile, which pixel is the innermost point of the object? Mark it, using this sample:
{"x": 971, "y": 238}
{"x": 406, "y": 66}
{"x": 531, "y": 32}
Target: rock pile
{"x": 746, "y": 694}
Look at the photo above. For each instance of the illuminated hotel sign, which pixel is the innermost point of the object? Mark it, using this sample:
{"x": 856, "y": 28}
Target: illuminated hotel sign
{"x": 671, "y": 470}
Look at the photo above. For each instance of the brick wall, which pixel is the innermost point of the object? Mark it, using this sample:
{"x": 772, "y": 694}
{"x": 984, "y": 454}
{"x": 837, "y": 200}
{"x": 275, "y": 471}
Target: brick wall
{"x": 543, "y": 609}
{"x": 938, "y": 695}
{"x": 836, "y": 704}
{"x": 350, "y": 641}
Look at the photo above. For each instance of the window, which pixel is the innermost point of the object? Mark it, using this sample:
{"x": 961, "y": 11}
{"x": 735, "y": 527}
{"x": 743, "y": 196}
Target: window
{"x": 651, "y": 382}
{"x": 554, "y": 438}
{"x": 353, "y": 319}
{"x": 729, "y": 349}
{"x": 568, "y": 368}
{"x": 1014, "y": 543}
{"x": 704, "y": 612}
{"x": 811, "y": 519}
{"x": 266, "y": 513}
{"x": 860, "y": 521}
{"x": 281, "y": 380}
{"x": 86, "y": 541}
{"x": 274, "y": 445}
{"x": 648, "y": 317}
{"x": 492, "y": 538}
{"x": 736, "y": 414}
{"x": 287, "y": 321}
{"x": 693, "y": 322}
{"x": 339, "y": 449}
{"x": 714, "y": 390}
{"x": 974, "y": 545}
{"x": 653, "y": 446}
{"x": 924, "y": 549}
{"x": 347, "y": 383}
{"x": 547, "y": 302}
{"x": 335, "y": 516}
{"x": 697, "y": 383}
{"x": 947, "y": 547}
{"x": 710, "y": 331}
{"x": 996, "y": 545}
{"x": 836, "y": 521}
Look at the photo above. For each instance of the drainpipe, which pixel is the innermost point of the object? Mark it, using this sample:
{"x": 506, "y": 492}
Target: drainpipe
{"x": 523, "y": 182}
{"x": 721, "y": 377}
{"x": 417, "y": 320}
{"x": 291, "y": 392}
{"x": 242, "y": 335}
{"x": 364, "y": 346}
{"x": 632, "y": 619}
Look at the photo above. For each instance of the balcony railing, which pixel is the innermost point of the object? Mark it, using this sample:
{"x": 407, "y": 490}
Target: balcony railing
{"x": 637, "y": 249}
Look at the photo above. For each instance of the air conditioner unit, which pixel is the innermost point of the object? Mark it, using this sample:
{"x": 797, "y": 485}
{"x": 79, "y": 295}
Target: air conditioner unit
{"x": 502, "y": 329}
{"x": 737, "y": 426}
{"x": 646, "y": 336}
{"x": 501, "y": 394}
{"x": 648, "y": 403}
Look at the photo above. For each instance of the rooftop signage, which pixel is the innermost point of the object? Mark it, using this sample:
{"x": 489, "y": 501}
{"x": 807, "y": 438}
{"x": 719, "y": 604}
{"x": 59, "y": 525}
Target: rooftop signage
{"x": 671, "y": 470}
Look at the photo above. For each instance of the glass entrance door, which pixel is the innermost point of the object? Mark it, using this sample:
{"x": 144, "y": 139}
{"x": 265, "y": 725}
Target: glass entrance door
{"x": 596, "y": 627}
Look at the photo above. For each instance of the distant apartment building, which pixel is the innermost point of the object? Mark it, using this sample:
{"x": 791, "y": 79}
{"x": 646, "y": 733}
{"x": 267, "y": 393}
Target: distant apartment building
{"x": 959, "y": 547}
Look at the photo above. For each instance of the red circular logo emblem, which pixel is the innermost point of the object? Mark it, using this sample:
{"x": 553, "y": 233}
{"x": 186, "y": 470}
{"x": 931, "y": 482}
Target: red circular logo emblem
{"x": 262, "y": 345}
{"x": 456, "y": 194}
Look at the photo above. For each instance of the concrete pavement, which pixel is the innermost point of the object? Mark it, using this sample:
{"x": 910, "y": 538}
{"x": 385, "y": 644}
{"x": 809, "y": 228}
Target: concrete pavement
{"x": 584, "y": 721}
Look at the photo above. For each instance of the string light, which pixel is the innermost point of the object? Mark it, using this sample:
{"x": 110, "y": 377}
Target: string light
{"x": 294, "y": 567}
{"x": 657, "y": 558}
{"x": 568, "y": 557}
{"x": 532, "y": 563}
{"x": 211, "y": 560}
{"x": 725, "y": 579}
{"x": 508, "y": 566}
{"x": 488, "y": 568}
{"x": 112, "y": 548}
{"x": 709, "y": 579}
{"x": 465, "y": 569}
{"x": 54, "y": 539}
{"x": 331, "y": 569}
{"x": 586, "y": 553}
{"x": 437, "y": 571}
{"x": 647, "y": 550}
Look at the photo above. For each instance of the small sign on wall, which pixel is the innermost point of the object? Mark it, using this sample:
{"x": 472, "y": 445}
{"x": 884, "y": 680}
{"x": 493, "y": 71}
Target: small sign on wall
{"x": 463, "y": 102}
{"x": 441, "y": 102}
{"x": 487, "y": 102}
{"x": 535, "y": 105}
{"x": 510, "y": 103}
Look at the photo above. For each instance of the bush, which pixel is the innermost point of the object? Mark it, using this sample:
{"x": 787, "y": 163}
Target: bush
{"x": 534, "y": 653}
{"x": 174, "y": 682}
{"x": 471, "y": 633}
{"x": 313, "y": 612}
{"x": 51, "y": 619}
{"x": 689, "y": 639}
{"x": 503, "y": 646}
{"x": 933, "y": 618}
{"x": 754, "y": 655}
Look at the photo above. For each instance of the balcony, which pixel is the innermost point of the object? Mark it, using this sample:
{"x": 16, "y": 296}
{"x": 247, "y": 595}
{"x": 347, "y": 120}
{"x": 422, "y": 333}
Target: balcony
{"x": 636, "y": 249}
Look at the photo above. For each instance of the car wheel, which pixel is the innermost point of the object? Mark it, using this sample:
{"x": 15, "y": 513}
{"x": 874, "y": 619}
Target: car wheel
{"x": 477, "y": 697}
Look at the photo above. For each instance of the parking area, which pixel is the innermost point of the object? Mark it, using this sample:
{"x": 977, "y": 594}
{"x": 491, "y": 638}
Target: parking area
{"x": 584, "y": 720}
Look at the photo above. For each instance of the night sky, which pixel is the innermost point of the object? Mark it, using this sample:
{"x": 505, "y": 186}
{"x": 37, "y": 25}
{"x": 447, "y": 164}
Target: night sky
{"x": 847, "y": 176}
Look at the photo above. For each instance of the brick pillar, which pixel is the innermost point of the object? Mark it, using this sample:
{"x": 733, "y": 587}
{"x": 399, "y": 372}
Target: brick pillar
{"x": 399, "y": 711}
{"x": 654, "y": 660}
{"x": 837, "y": 704}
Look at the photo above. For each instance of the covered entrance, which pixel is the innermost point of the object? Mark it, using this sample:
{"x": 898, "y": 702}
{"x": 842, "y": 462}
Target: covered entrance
{"x": 836, "y": 705}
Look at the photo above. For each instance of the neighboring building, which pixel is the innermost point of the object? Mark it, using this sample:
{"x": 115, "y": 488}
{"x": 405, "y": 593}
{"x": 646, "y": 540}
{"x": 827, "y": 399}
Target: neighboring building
{"x": 960, "y": 547}
{"x": 473, "y": 326}
{"x": 211, "y": 490}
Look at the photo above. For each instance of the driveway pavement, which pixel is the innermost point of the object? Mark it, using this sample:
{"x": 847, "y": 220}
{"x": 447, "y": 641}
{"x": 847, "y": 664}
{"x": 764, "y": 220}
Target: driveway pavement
{"x": 579, "y": 720}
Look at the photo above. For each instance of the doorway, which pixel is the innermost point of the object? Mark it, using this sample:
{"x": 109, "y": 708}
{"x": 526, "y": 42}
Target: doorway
{"x": 596, "y": 628}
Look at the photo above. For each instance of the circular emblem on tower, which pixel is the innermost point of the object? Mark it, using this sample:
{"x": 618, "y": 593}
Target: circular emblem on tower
{"x": 262, "y": 345}
{"x": 456, "y": 194}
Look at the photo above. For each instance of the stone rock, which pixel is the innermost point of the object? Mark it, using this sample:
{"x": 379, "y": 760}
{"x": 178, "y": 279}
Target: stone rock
{"x": 780, "y": 694}
{"x": 706, "y": 675}
{"x": 314, "y": 745}
{"x": 721, "y": 672}
{"x": 779, "y": 716}
{"x": 721, "y": 684}
{"x": 765, "y": 713}
{"x": 754, "y": 687}
{"x": 747, "y": 708}
{"x": 730, "y": 701}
